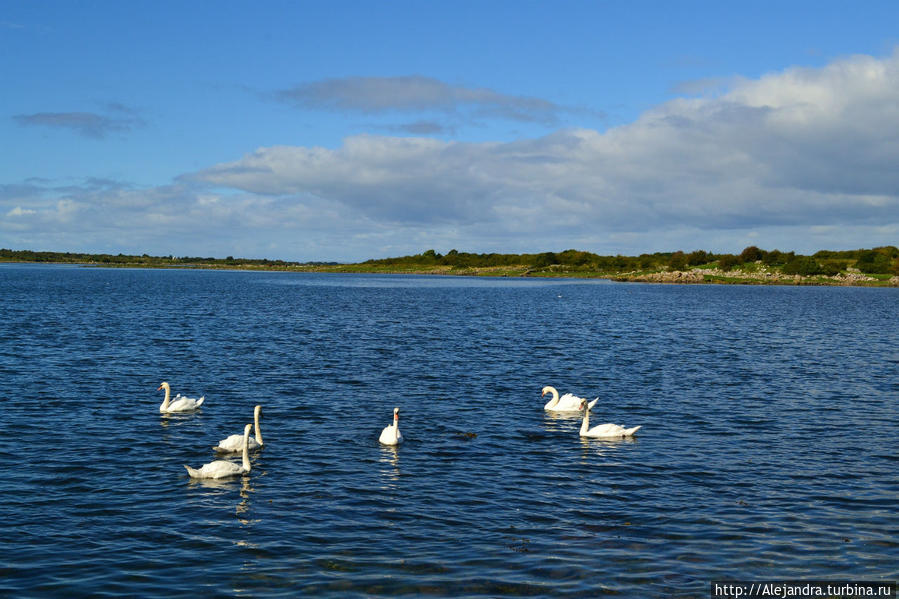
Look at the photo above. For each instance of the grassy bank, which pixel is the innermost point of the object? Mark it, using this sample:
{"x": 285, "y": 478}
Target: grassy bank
{"x": 877, "y": 267}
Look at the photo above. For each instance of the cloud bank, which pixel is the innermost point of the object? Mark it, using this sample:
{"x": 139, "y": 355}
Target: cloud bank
{"x": 802, "y": 159}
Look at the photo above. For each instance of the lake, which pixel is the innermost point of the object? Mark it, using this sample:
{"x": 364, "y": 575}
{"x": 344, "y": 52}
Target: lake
{"x": 768, "y": 447}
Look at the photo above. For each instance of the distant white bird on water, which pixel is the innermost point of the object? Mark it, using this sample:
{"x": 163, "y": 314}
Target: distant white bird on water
{"x": 179, "y": 404}
{"x": 391, "y": 434}
{"x": 224, "y": 468}
{"x": 566, "y": 403}
{"x": 234, "y": 443}
{"x": 603, "y": 431}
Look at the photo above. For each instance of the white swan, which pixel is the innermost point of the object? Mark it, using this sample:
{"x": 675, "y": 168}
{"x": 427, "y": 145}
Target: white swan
{"x": 566, "y": 403}
{"x": 234, "y": 443}
{"x": 391, "y": 434}
{"x": 603, "y": 431}
{"x": 179, "y": 404}
{"x": 224, "y": 468}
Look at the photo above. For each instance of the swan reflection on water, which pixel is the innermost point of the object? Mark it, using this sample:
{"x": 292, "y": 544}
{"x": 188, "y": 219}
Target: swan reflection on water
{"x": 564, "y": 423}
{"x": 177, "y": 419}
{"x": 217, "y": 486}
{"x": 591, "y": 447}
{"x": 242, "y": 511}
{"x": 222, "y": 483}
{"x": 390, "y": 461}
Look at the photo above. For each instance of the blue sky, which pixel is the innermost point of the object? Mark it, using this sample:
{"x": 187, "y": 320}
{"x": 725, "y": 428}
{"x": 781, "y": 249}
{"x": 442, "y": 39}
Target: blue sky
{"x": 354, "y": 130}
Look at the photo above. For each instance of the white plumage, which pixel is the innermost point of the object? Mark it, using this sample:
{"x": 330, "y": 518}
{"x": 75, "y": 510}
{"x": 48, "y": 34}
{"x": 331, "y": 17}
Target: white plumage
{"x": 179, "y": 404}
{"x": 603, "y": 431}
{"x": 391, "y": 434}
{"x": 234, "y": 443}
{"x": 224, "y": 468}
{"x": 567, "y": 403}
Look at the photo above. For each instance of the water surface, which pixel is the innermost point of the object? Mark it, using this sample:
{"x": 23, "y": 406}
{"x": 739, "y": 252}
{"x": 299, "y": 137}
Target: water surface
{"x": 768, "y": 447}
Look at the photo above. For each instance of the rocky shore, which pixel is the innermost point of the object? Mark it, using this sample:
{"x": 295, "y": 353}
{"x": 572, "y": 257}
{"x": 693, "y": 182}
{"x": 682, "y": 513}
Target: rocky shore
{"x": 758, "y": 277}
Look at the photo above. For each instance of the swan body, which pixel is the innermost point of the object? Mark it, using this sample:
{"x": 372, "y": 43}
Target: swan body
{"x": 566, "y": 403}
{"x": 391, "y": 434}
{"x": 179, "y": 404}
{"x": 234, "y": 443}
{"x": 603, "y": 431}
{"x": 224, "y": 468}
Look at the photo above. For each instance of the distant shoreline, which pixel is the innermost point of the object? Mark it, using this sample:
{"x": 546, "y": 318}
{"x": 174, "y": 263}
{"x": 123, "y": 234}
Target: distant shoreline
{"x": 696, "y": 276}
{"x": 877, "y": 267}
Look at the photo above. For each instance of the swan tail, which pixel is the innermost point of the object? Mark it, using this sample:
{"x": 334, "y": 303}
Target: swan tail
{"x": 193, "y": 473}
{"x": 630, "y": 432}
{"x": 592, "y": 403}
{"x": 200, "y": 401}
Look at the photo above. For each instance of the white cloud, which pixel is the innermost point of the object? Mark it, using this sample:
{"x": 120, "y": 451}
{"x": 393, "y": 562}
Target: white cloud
{"x": 799, "y": 160}
{"x": 789, "y": 149}
{"x": 19, "y": 211}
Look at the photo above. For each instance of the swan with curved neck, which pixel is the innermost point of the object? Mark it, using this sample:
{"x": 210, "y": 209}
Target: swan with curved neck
{"x": 179, "y": 404}
{"x": 567, "y": 403}
{"x": 234, "y": 443}
{"x": 224, "y": 468}
{"x": 391, "y": 434}
{"x": 603, "y": 431}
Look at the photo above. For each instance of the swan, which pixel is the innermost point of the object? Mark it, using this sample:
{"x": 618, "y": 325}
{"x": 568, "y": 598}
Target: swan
{"x": 224, "y": 468}
{"x": 179, "y": 404}
{"x": 566, "y": 403}
{"x": 603, "y": 431}
{"x": 234, "y": 443}
{"x": 391, "y": 434}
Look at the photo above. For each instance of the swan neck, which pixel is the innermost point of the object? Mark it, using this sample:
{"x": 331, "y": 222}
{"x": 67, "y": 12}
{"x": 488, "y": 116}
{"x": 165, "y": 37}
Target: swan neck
{"x": 256, "y": 428}
{"x": 585, "y": 425}
{"x": 246, "y": 450}
{"x": 395, "y": 430}
{"x": 165, "y": 402}
{"x": 555, "y": 399}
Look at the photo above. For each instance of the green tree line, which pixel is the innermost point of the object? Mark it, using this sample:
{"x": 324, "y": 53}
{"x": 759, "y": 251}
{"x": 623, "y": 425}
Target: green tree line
{"x": 879, "y": 260}
{"x": 8, "y": 255}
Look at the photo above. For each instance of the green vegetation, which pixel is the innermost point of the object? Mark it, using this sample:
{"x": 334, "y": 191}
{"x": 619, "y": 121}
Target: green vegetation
{"x": 145, "y": 261}
{"x": 753, "y": 265}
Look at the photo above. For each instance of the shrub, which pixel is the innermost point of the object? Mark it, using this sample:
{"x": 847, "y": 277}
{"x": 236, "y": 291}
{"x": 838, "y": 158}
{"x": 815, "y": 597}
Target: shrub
{"x": 830, "y": 267}
{"x": 727, "y": 262}
{"x": 698, "y": 257}
{"x": 874, "y": 262}
{"x": 751, "y": 254}
{"x": 678, "y": 261}
{"x": 545, "y": 259}
{"x": 805, "y": 266}
{"x": 775, "y": 258}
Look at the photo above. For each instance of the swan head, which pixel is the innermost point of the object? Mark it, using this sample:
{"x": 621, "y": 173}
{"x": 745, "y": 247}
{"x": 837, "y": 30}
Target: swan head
{"x": 164, "y": 385}
{"x": 396, "y": 413}
{"x": 256, "y": 411}
{"x": 548, "y": 389}
{"x": 585, "y": 405}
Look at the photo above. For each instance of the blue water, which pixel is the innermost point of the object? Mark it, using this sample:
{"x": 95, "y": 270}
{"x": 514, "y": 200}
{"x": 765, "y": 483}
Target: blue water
{"x": 768, "y": 447}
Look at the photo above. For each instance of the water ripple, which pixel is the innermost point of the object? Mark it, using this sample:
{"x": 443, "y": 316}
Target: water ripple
{"x": 767, "y": 448}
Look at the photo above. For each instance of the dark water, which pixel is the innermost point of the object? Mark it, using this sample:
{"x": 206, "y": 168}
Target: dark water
{"x": 768, "y": 447}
